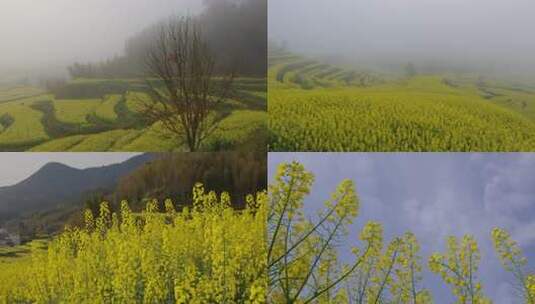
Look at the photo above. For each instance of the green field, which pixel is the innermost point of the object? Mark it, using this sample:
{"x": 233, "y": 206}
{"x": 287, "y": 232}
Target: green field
{"x": 14, "y": 262}
{"x": 105, "y": 115}
{"x": 10, "y": 254}
{"x": 19, "y": 92}
{"x": 318, "y": 107}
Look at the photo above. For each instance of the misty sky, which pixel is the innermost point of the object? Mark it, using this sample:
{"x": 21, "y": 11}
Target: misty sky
{"x": 495, "y": 30}
{"x": 435, "y": 195}
{"x": 57, "y": 32}
{"x": 18, "y": 166}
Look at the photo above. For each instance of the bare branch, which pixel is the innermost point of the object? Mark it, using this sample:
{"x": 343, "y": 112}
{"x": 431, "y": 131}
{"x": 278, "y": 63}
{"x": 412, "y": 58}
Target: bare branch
{"x": 186, "y": 92}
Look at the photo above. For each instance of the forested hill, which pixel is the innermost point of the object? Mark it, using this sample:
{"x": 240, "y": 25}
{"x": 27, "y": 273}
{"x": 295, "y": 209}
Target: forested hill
{"x": 174, "y": 175}
{"x": 56, "y": 195}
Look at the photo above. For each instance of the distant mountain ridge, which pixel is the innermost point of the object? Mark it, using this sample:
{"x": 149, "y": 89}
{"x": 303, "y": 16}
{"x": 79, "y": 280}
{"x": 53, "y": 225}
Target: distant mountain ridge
{"x": 55, "y": 184}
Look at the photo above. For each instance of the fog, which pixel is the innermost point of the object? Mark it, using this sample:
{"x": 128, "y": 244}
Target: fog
{"x": 492, "y": 34}
{"x": 50, "y": 34}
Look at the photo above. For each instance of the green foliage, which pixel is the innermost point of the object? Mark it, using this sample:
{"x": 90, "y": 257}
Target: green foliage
{"x": 59, "y": 145}
{"x": 152, "y": 139}
{"x": 17, "y": 93}
{"x": 102, "y": 142}
{"x": 239, "y": 128}
{"x": 15, "y": 262}
{"x": 91, "y": 88}
{"x": 26, "y": 126}
{"x": 135, "y": 100}
{"x": 106, "y": 110}
{"x": 75, "y": 111}
{"x": 238, "y": 173}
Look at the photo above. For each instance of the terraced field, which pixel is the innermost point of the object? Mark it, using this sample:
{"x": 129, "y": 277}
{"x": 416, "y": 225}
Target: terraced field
{"x": 317, "y": 107}
{"x": 104, "y": 115}
{"x": 19, "y": 92}
{"x": 15, "y": 259}
{"x": 76, "y": 111}
{"x": 9, "y": 254}
{"x": 106, "y": 110}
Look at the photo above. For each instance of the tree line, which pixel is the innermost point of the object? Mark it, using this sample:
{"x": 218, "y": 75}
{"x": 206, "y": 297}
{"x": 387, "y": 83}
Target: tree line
{"x": 234, "y": 30}
{"x": 174, "y": 175}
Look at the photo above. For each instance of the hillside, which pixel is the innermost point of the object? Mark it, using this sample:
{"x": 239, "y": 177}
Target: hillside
{"x": 289, "y": 70}
{"x": 106, "y": 115}
{"x": 56, "y": 184}
{"x": 316, "y": 107}
{"x": 56, "y": 195}
{"x": 174, "y": 176}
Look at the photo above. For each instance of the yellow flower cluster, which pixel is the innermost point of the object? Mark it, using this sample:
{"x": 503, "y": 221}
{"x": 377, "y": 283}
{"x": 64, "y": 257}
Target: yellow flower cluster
{"x": 302, "y": 256}
{"x": 508, "y": 251}
{"x": 530, "y": 284}
{"x": 209, "y": 253}
{"x": 423, "y": 114}
{"x": 268, "y": 252}
{"x": 303, "y": 262}
{"x": 404, "y": 285}
{"x": 458, "y": 267}
{"x": 514, "y": 261}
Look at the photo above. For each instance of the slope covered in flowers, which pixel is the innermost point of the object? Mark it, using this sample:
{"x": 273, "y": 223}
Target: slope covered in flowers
{"x": 209, "y": 253}
{"x": 317, "y": 107}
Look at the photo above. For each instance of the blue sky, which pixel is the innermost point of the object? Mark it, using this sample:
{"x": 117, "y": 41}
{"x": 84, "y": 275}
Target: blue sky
{"x": 435, "y": 195}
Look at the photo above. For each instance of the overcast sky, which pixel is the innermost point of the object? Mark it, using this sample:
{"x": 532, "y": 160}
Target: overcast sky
{"x": 17, "y": 166}
{"x": 61, "y": 31}
{"x": 436, "y": 195}
{"x": 495, "y": 30}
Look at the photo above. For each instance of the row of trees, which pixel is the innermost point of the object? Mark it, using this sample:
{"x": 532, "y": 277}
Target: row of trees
{"x": 304, "y": 267}
{"x": 174, "y": 175}
{"x": 110, "y": 68}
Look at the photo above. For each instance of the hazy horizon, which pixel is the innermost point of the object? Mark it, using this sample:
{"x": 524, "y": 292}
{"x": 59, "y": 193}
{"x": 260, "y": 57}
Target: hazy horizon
{"x": 52, "y": 34}
{"x": 488, "y": 34}
{"x": 17, "y": 166}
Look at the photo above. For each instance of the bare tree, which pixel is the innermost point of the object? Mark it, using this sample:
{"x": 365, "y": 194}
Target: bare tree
{"x": 183, "y": 87}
